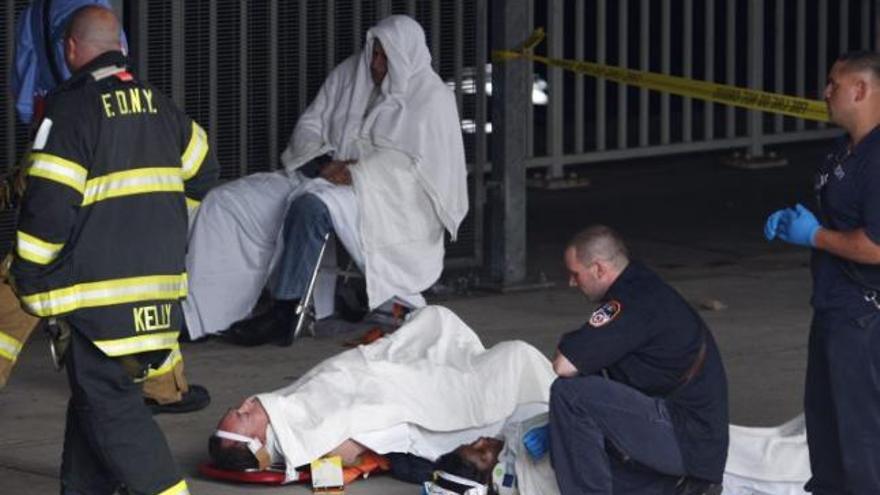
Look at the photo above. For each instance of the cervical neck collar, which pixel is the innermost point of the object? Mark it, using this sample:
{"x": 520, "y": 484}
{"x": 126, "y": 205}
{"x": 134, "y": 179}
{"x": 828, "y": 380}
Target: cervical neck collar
{"x": 253, "y": 444}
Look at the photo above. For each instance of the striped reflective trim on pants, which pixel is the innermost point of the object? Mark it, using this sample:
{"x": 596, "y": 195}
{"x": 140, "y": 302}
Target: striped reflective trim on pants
{"x": 36, "y": 250}
{"x": 129, "y": 182}
{"x": 178, "y": 489}
{"x": 10, "y": 348}
{"x": 58, "y": 169}
{"x": 137, "y": 344}
{"x": 195, "y": 152}
{"x": 170, "y": 362}
{"x": 192, "y": 204}
{"x": 106, "y": 293}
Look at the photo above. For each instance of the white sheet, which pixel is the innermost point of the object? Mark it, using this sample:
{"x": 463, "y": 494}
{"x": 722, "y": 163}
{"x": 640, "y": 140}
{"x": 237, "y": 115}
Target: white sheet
{"x": 767, "y": 461}
{"x": 399, "y": 379}
{"x": 410, "y": 181}
{"x": 231, "y": 244}
{"x": 415, "y": 114}
{"x": 533, "y": 477}
{"x": 402, "y": 237}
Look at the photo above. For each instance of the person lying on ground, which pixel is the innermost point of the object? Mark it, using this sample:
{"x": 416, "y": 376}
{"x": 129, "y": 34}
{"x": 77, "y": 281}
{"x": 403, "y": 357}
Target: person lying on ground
{"x": 760, "y": 461}
{"x": 422, "y": 390}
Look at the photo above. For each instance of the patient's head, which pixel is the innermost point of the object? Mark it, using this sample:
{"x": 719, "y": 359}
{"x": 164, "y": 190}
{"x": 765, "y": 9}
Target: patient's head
{"x": 473, "y": 461}
{"x": 248, "y": 419}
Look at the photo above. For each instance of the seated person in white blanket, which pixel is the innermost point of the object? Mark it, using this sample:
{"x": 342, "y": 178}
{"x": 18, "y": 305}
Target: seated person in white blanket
{"x": 422, "y": 390}
{"x": 383, "y": 140}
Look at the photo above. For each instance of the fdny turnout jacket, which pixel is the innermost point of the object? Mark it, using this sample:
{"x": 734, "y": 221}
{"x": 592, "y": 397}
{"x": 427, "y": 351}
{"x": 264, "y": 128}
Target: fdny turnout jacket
{"x": 102, "y": 233}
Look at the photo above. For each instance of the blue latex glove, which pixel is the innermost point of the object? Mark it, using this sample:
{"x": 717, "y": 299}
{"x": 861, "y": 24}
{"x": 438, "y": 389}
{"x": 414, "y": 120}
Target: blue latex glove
{"x": 798, "y": 226}
{"x": 770, "y": 228}
{"x": 537, "y": 441}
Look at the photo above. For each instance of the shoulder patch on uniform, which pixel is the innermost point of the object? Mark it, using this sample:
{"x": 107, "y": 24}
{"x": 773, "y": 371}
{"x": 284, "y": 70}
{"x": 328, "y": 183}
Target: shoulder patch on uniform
{"x": 605, "y": 314}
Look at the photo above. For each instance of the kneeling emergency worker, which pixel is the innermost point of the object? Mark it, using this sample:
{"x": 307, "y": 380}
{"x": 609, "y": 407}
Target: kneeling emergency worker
{"x": 641, "y": 403}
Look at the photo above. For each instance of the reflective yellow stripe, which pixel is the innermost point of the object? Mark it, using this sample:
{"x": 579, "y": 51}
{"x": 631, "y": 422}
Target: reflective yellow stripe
{"x": 192, "y": 204}
{"x": 195, "y": 152}
{"x": 138, "y": 181}
{"x": 170, "y": 362}
{"x": 178, "y": 489}
{"x": 106, "y": 293}
{"x": 140, "y": 343}
{"x": 9, "y": 347}
{"x": 35, "y": 249}
{"x": 58, "y": 169}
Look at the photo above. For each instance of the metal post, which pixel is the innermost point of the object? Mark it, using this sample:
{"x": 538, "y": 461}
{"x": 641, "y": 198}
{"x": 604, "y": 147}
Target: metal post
{"x": 511, "y": 83}
{"x": 9, "y": 117}
{"x": 665, "y": 67}
{"x": 601, "y": 87}
{"x": 876, "y": 25}
{"x": 709, "y": 69}
{"x": 756, "y": 73}
{"x": 330, "y": 27}
{"x": 622, "y": 91}
{"x": 481, "y": 54}
{"x": 273, "y": 85}
{"x": 730, "y": 68}
{"x": 555, "y": 123}
{"x": 213, "y": 54}
{"x": 822, "y": 52}
{"x": 178, "y": 59}
{"x": 644, "y": 64}
{"x": 302, "y": 64}
{"x": 140, "y": 36}
{"x": 242, "y": 87}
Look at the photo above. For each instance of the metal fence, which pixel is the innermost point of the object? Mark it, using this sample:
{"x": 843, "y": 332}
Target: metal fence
{"x": 783, "y": 46}
{"x": 246, "y": 69}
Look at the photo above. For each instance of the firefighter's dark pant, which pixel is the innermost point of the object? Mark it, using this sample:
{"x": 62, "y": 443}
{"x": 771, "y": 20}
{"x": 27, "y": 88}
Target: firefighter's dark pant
{"x": 111, "y": 439}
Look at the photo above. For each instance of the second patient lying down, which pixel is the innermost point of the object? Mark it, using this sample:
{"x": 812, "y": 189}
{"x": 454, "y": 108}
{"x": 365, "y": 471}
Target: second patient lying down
{"x": 425, "y": 390}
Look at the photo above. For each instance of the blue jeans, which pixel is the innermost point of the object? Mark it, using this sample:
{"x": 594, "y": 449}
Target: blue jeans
{"x": 590, "y": 415}
{"x": 842, "y": 401}
{"x": 307, "y": 222}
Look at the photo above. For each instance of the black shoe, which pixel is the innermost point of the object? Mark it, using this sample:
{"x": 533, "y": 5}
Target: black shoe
{"x": 195, "y": 399}
{"x": 693, "y": 486}
{"x": 275, "y": 324}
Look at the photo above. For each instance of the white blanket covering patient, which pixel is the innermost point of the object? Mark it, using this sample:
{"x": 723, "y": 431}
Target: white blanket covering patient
{"x": 767, "y": 461}
{"x": 432, "y": 386}
{"x": 429, "y": 379}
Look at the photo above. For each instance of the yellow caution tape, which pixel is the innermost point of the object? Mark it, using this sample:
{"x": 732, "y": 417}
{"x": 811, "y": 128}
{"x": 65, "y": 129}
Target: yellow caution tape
{"x": 752, "y": 99}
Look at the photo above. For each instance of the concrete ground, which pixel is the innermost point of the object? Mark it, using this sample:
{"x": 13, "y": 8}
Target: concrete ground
{"x": 695, "y": 221}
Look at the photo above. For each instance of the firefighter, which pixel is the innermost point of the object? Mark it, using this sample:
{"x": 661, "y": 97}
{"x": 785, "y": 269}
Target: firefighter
{"x": 100, "y": 252}
{"x": 40, "y": 67}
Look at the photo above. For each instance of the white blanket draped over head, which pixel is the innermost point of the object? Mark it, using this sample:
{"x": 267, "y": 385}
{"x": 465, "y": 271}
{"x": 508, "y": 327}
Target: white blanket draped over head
{"x": 413, "y": 114}
{"x": 433, "y": 372}
{"x": 408, "y": 185}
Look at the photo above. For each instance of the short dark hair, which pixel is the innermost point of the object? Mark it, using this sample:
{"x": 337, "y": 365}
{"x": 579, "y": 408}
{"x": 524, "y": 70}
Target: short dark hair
{"x": 599, "y": 241}
{"x": 862, "y": 61}
{"x": 229, "y": 455}
{"x": 453, "y": 463}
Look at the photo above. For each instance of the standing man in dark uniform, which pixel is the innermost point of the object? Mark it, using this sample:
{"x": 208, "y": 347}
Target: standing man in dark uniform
{"x": 657, "y": 421}
{"x": 39, "y": 67}
{"x": 842, "y": 396}
{"x": 100, "y": 250}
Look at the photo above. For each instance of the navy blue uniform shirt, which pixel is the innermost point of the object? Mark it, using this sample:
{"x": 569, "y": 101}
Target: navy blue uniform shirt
{"x": 847, "y": 187}
{"x": 647, "y": 336}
